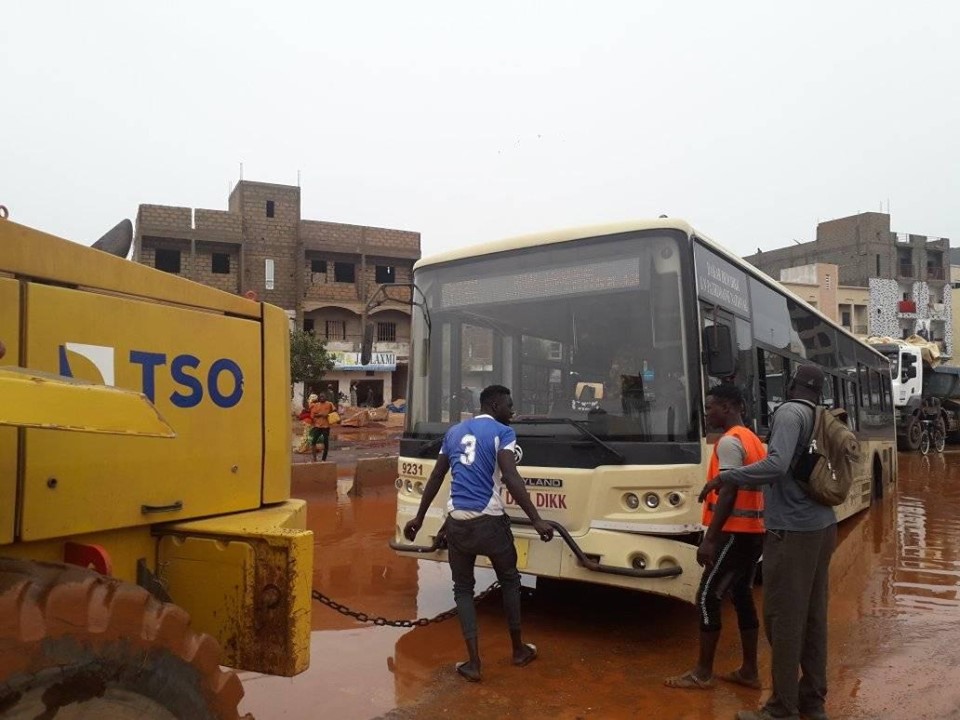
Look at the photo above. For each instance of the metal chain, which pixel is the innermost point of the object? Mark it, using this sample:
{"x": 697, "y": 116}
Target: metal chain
{"x": 376, "y": 620}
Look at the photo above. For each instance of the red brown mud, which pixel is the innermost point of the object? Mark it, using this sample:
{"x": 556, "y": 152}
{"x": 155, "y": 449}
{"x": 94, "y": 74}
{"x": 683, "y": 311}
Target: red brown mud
{"x": 894, "y": 650}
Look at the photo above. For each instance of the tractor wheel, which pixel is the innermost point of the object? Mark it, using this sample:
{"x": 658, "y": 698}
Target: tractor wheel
{"x": 910, "y": 440}
{"x": 76, "y": 645}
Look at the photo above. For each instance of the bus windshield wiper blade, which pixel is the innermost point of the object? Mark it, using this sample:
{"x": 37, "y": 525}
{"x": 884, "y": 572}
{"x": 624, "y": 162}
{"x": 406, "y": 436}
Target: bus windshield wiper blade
{"x": 575, "y": 424}
{"x": 430, "y": 446}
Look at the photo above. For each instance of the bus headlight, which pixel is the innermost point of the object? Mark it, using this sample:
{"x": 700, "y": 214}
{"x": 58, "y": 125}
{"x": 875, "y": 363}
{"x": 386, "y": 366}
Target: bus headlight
{"x": 651, "y": 500}
{"x": 639, "y": 562}
{"x": 631, "y": 501}
{"x": 674, "y": 498}
{"x": 418, "y": 486}
{"x": 409, "y": 486}
{"x": 398, "y": 484}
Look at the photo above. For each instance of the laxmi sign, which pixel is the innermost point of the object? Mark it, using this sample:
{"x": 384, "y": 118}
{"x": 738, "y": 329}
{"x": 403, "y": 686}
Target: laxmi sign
{"x": 379, "y": 361}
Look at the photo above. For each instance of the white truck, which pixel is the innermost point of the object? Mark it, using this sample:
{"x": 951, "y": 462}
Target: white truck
{"x": 916, "y": 377}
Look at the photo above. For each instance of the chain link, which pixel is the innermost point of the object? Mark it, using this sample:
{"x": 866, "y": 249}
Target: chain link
{"x": 381, "y": 621}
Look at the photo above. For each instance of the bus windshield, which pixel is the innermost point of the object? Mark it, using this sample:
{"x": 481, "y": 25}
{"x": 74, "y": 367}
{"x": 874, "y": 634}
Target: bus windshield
{"x": 591, "y": 331}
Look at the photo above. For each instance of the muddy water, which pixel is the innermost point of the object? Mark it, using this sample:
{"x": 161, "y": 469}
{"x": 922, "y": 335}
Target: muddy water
{"x": 894, "y": 645}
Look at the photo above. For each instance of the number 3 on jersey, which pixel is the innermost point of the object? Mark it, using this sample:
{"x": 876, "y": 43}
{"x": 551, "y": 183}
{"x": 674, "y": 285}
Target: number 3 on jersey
{"x": 469, "y": 446}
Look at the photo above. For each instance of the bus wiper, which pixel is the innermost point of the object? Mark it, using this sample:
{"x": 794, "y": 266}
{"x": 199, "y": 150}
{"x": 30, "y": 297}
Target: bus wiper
{"x": 430, "y": 446}
{"x": 573, "y": 423}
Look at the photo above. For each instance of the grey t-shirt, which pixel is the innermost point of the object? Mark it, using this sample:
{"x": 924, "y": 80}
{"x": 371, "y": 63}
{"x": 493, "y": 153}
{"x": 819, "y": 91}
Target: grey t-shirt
{"x": 730, "y": 452}
{"x": 786, "y": 505}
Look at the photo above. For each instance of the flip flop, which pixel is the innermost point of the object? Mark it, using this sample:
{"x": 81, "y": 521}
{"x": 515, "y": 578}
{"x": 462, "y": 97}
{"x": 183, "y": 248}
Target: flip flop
{"x": 469, "y": 677}
{"x": 529, "y": 658}
{"x": 737, "y": 679}
{"x": 688, "y": 681}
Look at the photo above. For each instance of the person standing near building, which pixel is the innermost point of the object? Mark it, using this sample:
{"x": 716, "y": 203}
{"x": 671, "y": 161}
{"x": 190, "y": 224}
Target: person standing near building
{"x": 800, "y": 538}
{"x": 353, "y": 393}
{"x": 320, "y": 409}
{"x": 731, "y": 545}
{"x": 479, "y": 454}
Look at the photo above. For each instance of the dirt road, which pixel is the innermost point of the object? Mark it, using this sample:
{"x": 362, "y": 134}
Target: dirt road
{"x": 894, "y": 645}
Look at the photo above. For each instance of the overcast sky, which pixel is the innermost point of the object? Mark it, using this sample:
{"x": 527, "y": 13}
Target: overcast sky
{"x": 473, "y": 121}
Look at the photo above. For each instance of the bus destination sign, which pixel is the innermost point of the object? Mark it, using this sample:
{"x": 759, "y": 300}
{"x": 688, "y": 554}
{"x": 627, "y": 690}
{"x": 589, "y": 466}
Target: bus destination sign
{"x": 720, "y": 282}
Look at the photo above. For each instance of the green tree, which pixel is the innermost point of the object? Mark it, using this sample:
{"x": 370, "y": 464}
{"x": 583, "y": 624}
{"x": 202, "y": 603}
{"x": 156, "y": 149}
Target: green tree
{"x": 309, "y": 358}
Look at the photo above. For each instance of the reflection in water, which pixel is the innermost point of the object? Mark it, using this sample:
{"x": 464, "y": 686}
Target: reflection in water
{"x": 904, "y": 648}
{"x": 895, "y": 590}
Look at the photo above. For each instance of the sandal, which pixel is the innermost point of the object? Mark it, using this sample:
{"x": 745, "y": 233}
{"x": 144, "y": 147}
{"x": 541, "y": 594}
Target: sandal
{"x": 737, "y": 678}
{"x": 688, "y": 681}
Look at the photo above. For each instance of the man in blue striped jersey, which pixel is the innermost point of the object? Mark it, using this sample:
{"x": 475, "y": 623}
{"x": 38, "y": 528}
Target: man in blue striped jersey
{"x": 479, "y": 453}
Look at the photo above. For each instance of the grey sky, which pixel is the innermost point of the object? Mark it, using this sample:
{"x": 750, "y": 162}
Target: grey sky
{"x": 473, "y": 121}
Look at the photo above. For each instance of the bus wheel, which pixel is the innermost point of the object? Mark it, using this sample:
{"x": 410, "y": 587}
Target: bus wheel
{"x": 910, "y": 441}
{"x": 76, "y": 645}
{"x": 877, "y": 478}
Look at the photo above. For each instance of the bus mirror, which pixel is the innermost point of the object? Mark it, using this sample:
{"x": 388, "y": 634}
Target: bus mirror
{"x": 718, "y": 351}
{"x": 366, "y": 349}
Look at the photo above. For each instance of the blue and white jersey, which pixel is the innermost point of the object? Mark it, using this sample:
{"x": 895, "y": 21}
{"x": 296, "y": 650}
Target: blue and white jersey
{"x": 471, "y": 447}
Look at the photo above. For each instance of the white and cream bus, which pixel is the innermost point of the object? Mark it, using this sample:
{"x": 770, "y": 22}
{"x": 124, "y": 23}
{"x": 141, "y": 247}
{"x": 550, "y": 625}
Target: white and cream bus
{"x": 646, "y": 315}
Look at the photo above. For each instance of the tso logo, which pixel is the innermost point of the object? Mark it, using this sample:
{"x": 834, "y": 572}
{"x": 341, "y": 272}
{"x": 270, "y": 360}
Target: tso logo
{"x": 518, "y": 454}
{"x": 183, "y": 371}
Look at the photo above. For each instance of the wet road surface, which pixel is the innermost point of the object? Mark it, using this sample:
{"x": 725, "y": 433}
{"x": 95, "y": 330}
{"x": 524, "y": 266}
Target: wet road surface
{"x": 894, "y": 643}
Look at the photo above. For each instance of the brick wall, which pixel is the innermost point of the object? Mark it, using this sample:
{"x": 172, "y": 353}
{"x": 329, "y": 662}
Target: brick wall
{"x": 148, "y": 253}
{"x": 165, "y": 216}
{"x": 274, "y": 238}
{"x": 283, "y": 238}
{"x": 203, "y": 269}
{"x": 218, "y": 222}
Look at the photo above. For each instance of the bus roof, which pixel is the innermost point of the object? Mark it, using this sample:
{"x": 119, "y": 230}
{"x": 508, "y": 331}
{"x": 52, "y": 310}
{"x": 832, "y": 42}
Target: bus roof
{"x": 591, "y": 231}
{"x": 553, "y": 236}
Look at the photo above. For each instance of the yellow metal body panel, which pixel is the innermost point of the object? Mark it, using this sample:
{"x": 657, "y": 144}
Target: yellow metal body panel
{"x": 174, "y": 356}
{"x": 277, "y": 432}
{"x": 51, "y": 402}
{"x": 29, "y": 253}
{"x": 125, "y": 547}
{"x": 10, "y": 335}
{"x": 246, "y": 580}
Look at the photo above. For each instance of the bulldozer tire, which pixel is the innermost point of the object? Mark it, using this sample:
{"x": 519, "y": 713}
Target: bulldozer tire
{"x": 75, "y": 645}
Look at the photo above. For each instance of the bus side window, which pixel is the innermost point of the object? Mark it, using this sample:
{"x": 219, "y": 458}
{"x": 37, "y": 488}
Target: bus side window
{"x": 876, "y": 401}
{"x": 773, "y": 376}
{"x": 851, "y": 406}
{"x": 827, "y": 400}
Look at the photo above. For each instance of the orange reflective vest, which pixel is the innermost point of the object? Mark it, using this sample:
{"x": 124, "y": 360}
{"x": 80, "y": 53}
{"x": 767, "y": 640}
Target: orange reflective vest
{"x": 747, "y": 513}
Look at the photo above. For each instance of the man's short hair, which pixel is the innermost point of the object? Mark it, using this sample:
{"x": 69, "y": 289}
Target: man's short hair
{"x": 728, "y": 393}
{"x": 493, "y": 392}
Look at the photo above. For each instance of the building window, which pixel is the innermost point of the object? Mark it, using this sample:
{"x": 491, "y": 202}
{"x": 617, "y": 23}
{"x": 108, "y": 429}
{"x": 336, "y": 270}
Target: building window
{"x": 268, "y": 273}
{"x": 386, "y": 274}
{"x": 167, "y": 260}
{"x": 308, "y": 325}
{"x": 318, "y": 266}
{"x": 270, "y": 208}
{"x": 335, "y": 329}
{"x": 386, "y": 332}
{"x": 845, "y": 318}
{"x": 828, "y": 281}
{"x": 344, "y": 272}
{"x": 220, "y": 264}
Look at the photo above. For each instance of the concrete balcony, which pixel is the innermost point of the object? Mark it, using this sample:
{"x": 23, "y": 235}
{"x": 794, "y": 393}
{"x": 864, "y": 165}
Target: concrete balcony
{"x": 935, "y": 272}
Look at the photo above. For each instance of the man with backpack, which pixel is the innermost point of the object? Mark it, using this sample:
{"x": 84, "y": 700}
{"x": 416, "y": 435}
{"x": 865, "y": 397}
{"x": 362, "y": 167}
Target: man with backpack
{"x": 801, "y": 534}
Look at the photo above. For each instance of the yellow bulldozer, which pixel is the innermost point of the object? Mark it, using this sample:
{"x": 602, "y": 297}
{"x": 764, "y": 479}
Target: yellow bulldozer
{"x": 147, "y": 534}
